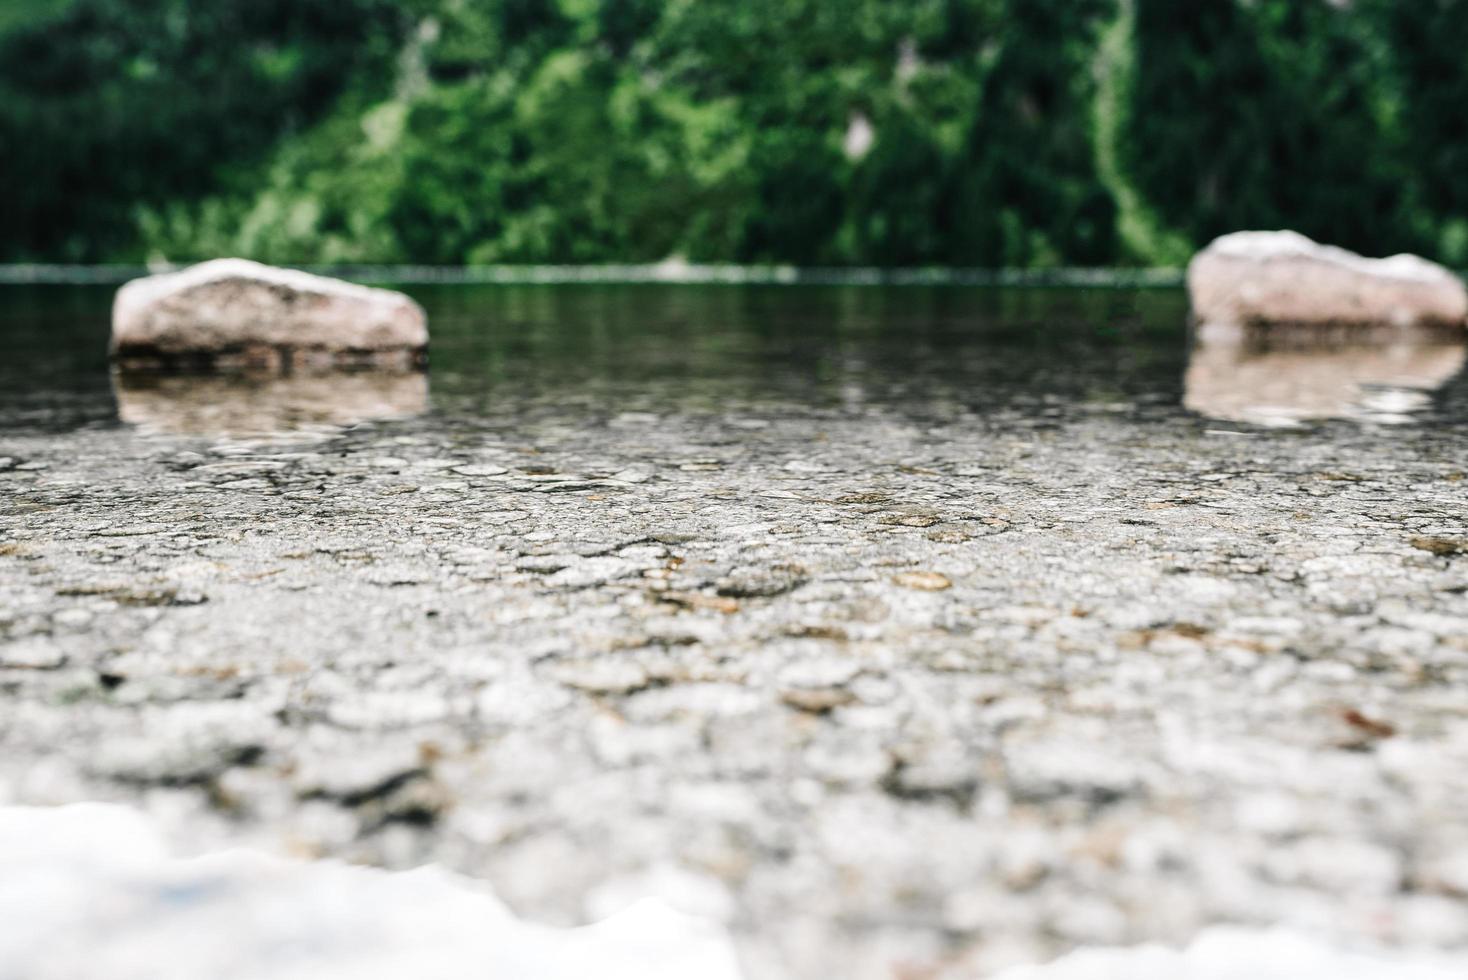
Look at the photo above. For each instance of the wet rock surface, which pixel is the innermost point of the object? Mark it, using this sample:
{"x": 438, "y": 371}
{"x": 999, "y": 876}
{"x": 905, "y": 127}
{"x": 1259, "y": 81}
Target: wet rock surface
{"x": 922, "y": 670}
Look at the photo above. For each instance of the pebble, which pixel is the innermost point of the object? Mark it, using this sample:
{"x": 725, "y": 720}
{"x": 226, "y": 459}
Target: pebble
{"x": 602, "y": 675}
{"x": 923, "y": 581}
{"x": 34, "y": 653}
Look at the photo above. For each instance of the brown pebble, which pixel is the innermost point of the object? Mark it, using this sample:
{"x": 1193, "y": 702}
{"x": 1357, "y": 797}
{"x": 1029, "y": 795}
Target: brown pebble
{"x": 923, "y": 581}
{"x": 1371, "y": 727}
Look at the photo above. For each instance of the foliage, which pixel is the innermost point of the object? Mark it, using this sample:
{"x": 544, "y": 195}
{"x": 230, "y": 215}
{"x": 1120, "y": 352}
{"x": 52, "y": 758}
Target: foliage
{"x": 968, "y": 132}
{"x": 112, "y": 104}
{"x": 1269, "y": 115}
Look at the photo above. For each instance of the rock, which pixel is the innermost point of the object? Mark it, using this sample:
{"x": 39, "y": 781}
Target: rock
{"x": 1442, "y": 547}
{"x": 32, "y": 653}
{"x": 817, "y": 700}
{"x": 923, "y": 581}
{"x": 232, "y": 312}
{"x": 1254, "y": 279}
{"x": 760, "y": 583}
{"x": 602, "y": 675}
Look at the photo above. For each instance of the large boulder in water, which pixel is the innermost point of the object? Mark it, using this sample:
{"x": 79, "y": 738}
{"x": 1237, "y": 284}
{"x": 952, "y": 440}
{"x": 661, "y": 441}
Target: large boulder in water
{"x": 232, "y": 312}
{"x": 1253, "y": 280}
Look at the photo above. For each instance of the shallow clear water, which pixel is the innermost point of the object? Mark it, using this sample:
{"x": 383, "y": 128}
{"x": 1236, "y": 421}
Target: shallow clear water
{"x": 925, "y": 629}
{"x": 694, "y": 347}
{"x": 659, "y": 347}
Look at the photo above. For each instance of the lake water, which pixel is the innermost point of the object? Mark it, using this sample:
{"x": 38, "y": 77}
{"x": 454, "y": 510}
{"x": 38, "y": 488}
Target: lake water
{"x": 693, "y": 347}
{"x": 701, "y": 347}
{"x": 916, "y": 631}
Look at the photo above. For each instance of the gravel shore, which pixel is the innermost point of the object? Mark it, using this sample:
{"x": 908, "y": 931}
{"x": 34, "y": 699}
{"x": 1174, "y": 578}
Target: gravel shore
{"x": 896, "y": 686}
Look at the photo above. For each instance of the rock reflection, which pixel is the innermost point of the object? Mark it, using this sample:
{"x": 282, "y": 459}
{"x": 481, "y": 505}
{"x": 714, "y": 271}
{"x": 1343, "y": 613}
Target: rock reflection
{"x": 1286, "y": 387}
{"x": 243, "y": 405}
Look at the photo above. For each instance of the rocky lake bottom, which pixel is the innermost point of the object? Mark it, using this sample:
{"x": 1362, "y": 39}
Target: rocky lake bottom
{"x": 902, "y": 632}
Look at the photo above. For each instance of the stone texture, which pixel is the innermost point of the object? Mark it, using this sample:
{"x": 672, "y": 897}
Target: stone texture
{"x": 1136, "y": 708}
{"x": 1253, "y": 279}
{"x": 235, "y": 311}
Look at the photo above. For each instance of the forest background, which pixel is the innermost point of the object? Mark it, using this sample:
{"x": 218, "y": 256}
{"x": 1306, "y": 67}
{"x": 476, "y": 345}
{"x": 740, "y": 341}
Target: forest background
{"x": 988, "y": 133}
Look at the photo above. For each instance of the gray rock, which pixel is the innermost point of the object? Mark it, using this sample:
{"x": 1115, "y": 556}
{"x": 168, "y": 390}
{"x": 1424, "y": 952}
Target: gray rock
{"x": 236, "y": 311}
{"x": 1281, "y": 278}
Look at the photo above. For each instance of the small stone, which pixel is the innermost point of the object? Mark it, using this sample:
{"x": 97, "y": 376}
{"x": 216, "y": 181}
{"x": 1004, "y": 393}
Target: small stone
{"x": 586, "y": 573}
{"x": 75, "y": 618}
{"x": 755, "y": 583}
{"x": 923, "y": 581}
{"x": 821, "y": 672}
{"x": 174, "y": 757}
{"x": 1368, "y": 729}
{"x": 602, "y": 676}
{"x": 1442, "y": 547}
{"x": 388, "y": 709}
{"x": 817, "y": 700}
{"x": 934, "y": 771}
{"x": 698, "y": 700}
{"x": 358, "y": 775}
{"x": 1447, "y": 874}
{"x": 910, "y": 520}
{"x": 33, "y": 653}
{"x": 867, "y": 497}
{"x": 697, "y": 600}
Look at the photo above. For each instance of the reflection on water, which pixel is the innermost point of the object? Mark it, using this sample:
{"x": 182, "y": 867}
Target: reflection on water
{"x": 585, "y": 350}
{"x": 1388, "y": 384}
{"x": 920, "y": 350}
{"x": 581, "y": 352}
{"x": 244, "y": 405}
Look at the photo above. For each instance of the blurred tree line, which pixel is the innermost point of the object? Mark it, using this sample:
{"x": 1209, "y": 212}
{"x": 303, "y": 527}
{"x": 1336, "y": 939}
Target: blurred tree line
{"x": 962, "y": 132}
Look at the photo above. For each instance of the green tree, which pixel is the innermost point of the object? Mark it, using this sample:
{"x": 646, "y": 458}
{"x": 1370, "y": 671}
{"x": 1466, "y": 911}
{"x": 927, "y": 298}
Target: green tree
{"x": 109, "y": 104}
{"x": 970, "y": 132}
{"x": 1267, "y": 115}
{"x": 1026, "y": 190}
